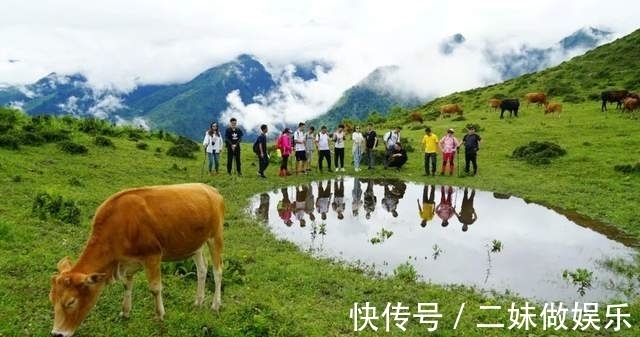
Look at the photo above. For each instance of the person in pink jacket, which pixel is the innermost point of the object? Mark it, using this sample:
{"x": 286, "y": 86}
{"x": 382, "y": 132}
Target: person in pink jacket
{"x": 448, "y": 145}
{"x": 283, "y": 143}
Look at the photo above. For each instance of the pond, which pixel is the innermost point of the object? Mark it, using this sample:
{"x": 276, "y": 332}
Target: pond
{"x": 490, "y": 241}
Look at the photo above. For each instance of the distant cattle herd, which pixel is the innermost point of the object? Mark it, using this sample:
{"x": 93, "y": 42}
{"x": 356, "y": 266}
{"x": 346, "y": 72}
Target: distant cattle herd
{"x": 624, "y": 99}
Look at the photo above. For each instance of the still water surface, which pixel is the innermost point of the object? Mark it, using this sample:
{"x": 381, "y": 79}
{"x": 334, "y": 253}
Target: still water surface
{"x": 450, "y": 235}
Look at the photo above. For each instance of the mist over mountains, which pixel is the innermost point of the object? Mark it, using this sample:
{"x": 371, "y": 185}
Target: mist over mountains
{"x": 257, "y": 92}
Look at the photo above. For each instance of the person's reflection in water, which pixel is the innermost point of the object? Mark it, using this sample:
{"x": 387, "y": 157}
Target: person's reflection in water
{"x": 263, "y": 209}
{"x": 284, "y": 207}
{"x": 467, "y": 215}
{"x": 393, "y": 196}
{"x": 370, "y": 199}
{"x": 301, "y": 199}
{"x": 356, "y": 196}
{"x": 324, "y": 199}
{"x": 308, "y": 204}
{"x": 428, "y": 206}
{"x": 338, "y": 199}
{"x": 445, "y": 210}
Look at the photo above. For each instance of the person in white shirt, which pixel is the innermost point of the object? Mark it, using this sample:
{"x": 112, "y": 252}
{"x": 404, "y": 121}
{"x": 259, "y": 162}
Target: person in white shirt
{"x": 213, "y": 146}
{"x": 300, "y": 148}
{"x": 358, "y": 147}
{"x": 324, "y": 152}
{"x": 390, "y": 139}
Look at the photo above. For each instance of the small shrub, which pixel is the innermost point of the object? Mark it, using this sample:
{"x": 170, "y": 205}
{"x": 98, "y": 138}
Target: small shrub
{"x": 75, "y": 182}
{"x": 46, "y": 206}
{"x": 142, "y": 145}
{"x": 92, "y": 125}
{"x": 181, "y": 152}
{"x": 572, "y": 98}
{"x": 32, "y": 139}
{"x": 135, "y": 134}
{"x": 103, "y": 141}
{"x": 628, "y": 168}
{"x": 187, "y": 143}
{"x": 52, "y": 136}
{"x": 16, "y": 179}
{"x": 538, "y": 153}
{"x": 158, "y": 150}
{"x": 9, "y": 141}
{"x": 406, "y": 272}
{"x": 72, "y": 148}
{"x": 459, "y": 119}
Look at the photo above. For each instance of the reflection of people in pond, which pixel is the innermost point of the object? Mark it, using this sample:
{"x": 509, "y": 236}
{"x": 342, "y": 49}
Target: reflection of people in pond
{"x": 308, "y": 203}
{"x": 324, "y": 199}
{"x": 392, "y": 196}
{"x": 284, "y": 207}
{"x": 356, "y": 196}
{"x": 300, "y": 205}
{"x": 263, "y": 209}
{"x": 338, "y": 200}
{"x": 370, "y": 199}
{"x": 445, "y": 209}
{"x": 428, "y": 206}
{"x": 467, "y": 215}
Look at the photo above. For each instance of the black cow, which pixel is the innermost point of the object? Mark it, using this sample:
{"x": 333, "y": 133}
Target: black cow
{"x": 511, "y": 104}
{"x": 613, "y": 96}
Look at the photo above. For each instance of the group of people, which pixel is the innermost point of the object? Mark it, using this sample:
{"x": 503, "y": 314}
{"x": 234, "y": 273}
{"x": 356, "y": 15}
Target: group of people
{"x": 304, "y": 143}
{"x": 449, "y": 145}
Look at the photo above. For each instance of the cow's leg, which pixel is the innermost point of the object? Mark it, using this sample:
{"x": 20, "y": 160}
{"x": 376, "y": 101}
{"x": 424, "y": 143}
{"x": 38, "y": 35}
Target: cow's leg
{"x": 215, "y": 245}
{"x": 128, "y": 289}
{"x": 201, "y": 269}
{"x": 152, "y": 269}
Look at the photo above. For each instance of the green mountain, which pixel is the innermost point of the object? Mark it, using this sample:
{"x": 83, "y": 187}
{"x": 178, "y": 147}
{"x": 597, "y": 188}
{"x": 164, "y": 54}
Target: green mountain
{"x": 372, "y": 94}
{"x": 582, "y": 79}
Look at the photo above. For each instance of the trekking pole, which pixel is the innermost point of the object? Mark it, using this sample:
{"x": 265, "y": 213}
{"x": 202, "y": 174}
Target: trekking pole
{"x": 203, "y": 163}
{"x": 458, "y": 160}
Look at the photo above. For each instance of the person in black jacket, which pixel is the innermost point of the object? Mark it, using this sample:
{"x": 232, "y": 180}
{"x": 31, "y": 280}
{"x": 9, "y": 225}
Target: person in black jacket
{"x": 233, "y": 137}
{"x": 471, "y": 143}
{"x": 398, "y": 157}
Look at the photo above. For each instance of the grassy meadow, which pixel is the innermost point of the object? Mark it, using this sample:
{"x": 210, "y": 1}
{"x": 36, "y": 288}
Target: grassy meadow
{"x": 270, "y": 288}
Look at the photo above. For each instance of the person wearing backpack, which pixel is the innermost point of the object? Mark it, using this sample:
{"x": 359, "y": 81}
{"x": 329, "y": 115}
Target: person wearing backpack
{"x": 283, "y": 143}
{"x": 260, "y": 148}
{"x": 390, "y": 139}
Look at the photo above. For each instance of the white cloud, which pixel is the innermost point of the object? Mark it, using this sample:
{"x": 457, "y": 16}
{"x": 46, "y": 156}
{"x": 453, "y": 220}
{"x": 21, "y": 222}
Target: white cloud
{"x": 120, "y": 44}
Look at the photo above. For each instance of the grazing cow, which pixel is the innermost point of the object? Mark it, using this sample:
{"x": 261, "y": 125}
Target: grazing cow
{"x": 630, "y": 104}
{"x": 550, "y": 108}
{"x": 512, "y": 105}
{"x": 451, "y": 109}
{"x": 536, "y": 97}
{"x": 140, "y": 228}
{"x": 494, "y": 104}
{"x": 613, "y": 96}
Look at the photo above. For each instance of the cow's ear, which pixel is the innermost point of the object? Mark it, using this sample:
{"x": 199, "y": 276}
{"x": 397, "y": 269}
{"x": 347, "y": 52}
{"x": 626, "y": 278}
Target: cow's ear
{"x": 64, "y": 264}
{"x": 94, "y": 278}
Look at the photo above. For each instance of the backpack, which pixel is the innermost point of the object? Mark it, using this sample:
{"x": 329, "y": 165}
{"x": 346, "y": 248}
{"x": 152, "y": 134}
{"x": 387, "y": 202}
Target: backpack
{"x": 256, "y": 147}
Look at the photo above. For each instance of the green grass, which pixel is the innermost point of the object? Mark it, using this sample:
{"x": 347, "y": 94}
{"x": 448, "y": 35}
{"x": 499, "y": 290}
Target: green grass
{"x": 270, "y": 287}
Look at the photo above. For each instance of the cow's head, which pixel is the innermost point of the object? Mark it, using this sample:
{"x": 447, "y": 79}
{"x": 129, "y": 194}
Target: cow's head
{"x": 72, "y": 295}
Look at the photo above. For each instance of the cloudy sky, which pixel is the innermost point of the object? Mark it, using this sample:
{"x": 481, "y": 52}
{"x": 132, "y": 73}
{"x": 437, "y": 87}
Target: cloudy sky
{"x": 118, "y": 44}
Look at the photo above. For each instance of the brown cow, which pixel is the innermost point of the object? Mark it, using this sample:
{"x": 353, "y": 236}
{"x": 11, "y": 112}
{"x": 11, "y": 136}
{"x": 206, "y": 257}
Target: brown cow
{"x": 536, "y": 97}
{"x": 451, "y": 109}
{"x": 629, "y": 104}
{"x": 550, "y": 108}
{"x": 140, "y": 227}
{"x": 494, "y": 103}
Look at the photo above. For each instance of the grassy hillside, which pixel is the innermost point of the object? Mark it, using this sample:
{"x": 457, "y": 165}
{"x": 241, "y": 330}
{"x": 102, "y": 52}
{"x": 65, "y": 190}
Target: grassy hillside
{"x": 271, "y": 288}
